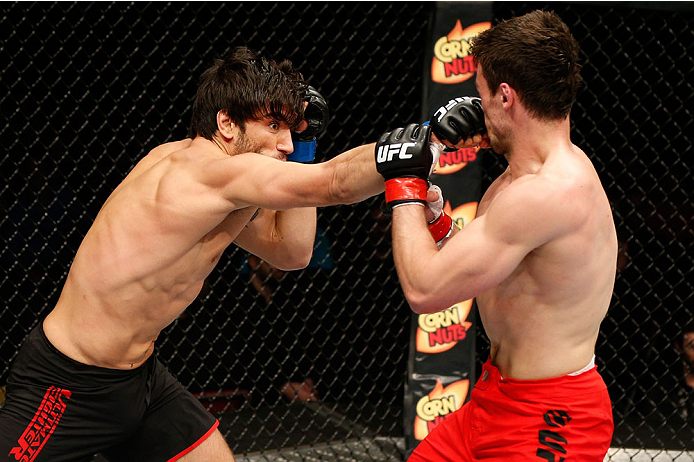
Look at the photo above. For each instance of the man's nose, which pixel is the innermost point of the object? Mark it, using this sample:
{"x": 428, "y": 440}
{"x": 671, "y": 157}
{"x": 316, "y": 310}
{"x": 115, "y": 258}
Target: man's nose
{"x": 284, "y": 142}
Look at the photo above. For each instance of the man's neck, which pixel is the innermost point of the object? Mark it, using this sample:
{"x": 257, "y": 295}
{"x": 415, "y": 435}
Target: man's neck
{"x": 534, "y": 142}
{"x": 214, "y": 144}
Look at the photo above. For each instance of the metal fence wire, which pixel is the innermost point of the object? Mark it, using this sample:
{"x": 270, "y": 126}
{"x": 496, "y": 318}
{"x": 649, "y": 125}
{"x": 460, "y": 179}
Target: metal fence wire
{"x": 88, "y": 88}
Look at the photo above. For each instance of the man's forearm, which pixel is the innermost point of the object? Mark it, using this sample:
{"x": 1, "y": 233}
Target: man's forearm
{"x": 354, "y": 175}
{"x": 413, "y": 248}
{"x": 296, "y": 233}
{"x": 284, "y": 238}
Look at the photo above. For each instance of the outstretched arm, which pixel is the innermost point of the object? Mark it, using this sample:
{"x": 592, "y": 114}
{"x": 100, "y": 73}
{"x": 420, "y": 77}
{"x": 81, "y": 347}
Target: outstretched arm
{"x": 285, "y": 238}
{"x": 283, "y": 233}
{"x": 255, "y": 180}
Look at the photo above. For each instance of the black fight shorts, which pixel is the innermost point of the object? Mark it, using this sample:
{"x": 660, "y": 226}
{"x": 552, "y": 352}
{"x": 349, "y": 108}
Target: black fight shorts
{"x": 60, "y": 410}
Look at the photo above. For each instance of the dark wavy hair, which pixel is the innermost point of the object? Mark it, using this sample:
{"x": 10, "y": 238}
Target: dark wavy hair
{"x": 537, "y": 56}
{"x": 247, "y": 87}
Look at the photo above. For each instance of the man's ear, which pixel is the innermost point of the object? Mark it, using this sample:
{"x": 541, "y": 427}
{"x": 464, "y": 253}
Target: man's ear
{"x": 225, "y": 125}
{"x": 507, "y": 94}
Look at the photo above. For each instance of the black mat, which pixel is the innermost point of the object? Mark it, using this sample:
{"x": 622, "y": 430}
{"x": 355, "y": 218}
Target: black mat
{"x": 294, "y": 425}
{"x": 654, "y": 434}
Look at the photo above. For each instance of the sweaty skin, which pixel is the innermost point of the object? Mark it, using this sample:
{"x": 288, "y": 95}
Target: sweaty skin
{"x": 540, "y": 257}
{"x": 165, "y": 227}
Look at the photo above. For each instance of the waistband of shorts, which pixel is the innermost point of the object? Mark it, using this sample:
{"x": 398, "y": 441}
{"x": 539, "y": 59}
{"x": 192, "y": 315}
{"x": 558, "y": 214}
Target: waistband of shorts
{"x": 40, "y": 341}
{"x": 589, "y": 381}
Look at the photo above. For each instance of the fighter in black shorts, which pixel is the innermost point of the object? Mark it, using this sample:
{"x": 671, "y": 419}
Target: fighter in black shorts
{"x": 86, "y": 380}
{"x": 142, "y": 414}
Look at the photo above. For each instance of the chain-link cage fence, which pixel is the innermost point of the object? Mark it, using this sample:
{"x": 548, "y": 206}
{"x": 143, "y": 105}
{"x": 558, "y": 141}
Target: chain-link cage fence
{"x": 89, "y": 88}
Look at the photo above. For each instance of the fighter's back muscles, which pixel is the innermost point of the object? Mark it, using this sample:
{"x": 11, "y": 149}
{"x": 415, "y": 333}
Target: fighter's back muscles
{"x": 154, "y": 156}
{"x": 141, "y": 263}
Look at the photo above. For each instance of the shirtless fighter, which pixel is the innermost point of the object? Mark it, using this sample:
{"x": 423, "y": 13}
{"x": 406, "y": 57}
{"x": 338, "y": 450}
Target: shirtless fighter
{"x": 540, "y": 257}
{"x": 86, "y": 380}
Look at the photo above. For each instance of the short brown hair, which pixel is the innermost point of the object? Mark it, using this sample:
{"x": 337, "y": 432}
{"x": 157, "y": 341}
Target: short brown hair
{"x": 537, "y": 56}
{"x": 247, "y": 87}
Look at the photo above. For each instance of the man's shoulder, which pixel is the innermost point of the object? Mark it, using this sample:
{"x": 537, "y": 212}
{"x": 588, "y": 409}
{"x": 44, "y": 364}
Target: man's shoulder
{"x": 572, "y": 178}
{"x": 164, "y": 150}
{"x": 159, "y": 153}
{"x": 548, "y": 200}
{"x": 172, "y": 146}
{"x": 536, "y": 189}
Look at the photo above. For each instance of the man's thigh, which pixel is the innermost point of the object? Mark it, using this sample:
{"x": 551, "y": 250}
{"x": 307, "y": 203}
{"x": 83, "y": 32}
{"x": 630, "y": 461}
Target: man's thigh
{"x": 175, "y": 424}
{"x": 213, "y": 448}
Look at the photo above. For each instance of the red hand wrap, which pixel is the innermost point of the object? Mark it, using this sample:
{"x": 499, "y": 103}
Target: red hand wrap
{"x": 441, "y": 227}
{"x": 406, "y": 190}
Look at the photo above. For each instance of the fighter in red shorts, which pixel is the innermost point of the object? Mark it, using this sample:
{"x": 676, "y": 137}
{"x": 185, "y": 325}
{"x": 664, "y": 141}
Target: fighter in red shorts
{"x": 540, "y": 257}
{"x": 520, "y": 420}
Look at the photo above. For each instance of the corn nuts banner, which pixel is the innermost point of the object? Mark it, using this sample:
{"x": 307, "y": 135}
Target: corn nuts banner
{"x": 441, "y": 365}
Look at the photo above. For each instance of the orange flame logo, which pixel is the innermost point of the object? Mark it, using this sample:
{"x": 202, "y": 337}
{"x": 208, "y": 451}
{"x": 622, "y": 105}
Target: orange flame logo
{"x": 463, "y": 214}
{"x": 440, "y": 331}
{"x": 452, "y": 61}
{"x": 433, "y": 408}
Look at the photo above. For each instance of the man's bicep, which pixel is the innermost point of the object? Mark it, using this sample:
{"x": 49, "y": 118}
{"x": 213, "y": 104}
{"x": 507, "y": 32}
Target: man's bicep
{"x": 271, "y": 184}
{"x": 511, "y": 228}
{"x": 482, "y": 257}
{"x": 471, "y": 263}
{"x": 284, "y": 239}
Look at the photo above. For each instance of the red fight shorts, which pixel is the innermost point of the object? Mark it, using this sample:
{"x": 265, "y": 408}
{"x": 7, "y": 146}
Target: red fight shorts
{"x": 564, "y": 418}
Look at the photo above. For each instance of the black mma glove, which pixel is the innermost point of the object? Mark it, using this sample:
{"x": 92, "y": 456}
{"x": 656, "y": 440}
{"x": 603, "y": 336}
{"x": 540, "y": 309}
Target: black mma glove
{"x": 459, "y": 119}
{"x": 316, "y": 114}
{"x": 404, "y": 159}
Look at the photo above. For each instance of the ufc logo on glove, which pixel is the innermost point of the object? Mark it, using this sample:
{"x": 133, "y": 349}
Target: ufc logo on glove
{"x": 440, "y": 112}
{"x": 386, "y": 152}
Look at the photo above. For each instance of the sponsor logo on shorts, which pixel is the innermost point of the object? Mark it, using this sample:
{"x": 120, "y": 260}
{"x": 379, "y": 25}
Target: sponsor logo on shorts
{"x": 552, "y": 443}
{"x": 452, "y": 62}
{"x": 42, "y": 425}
